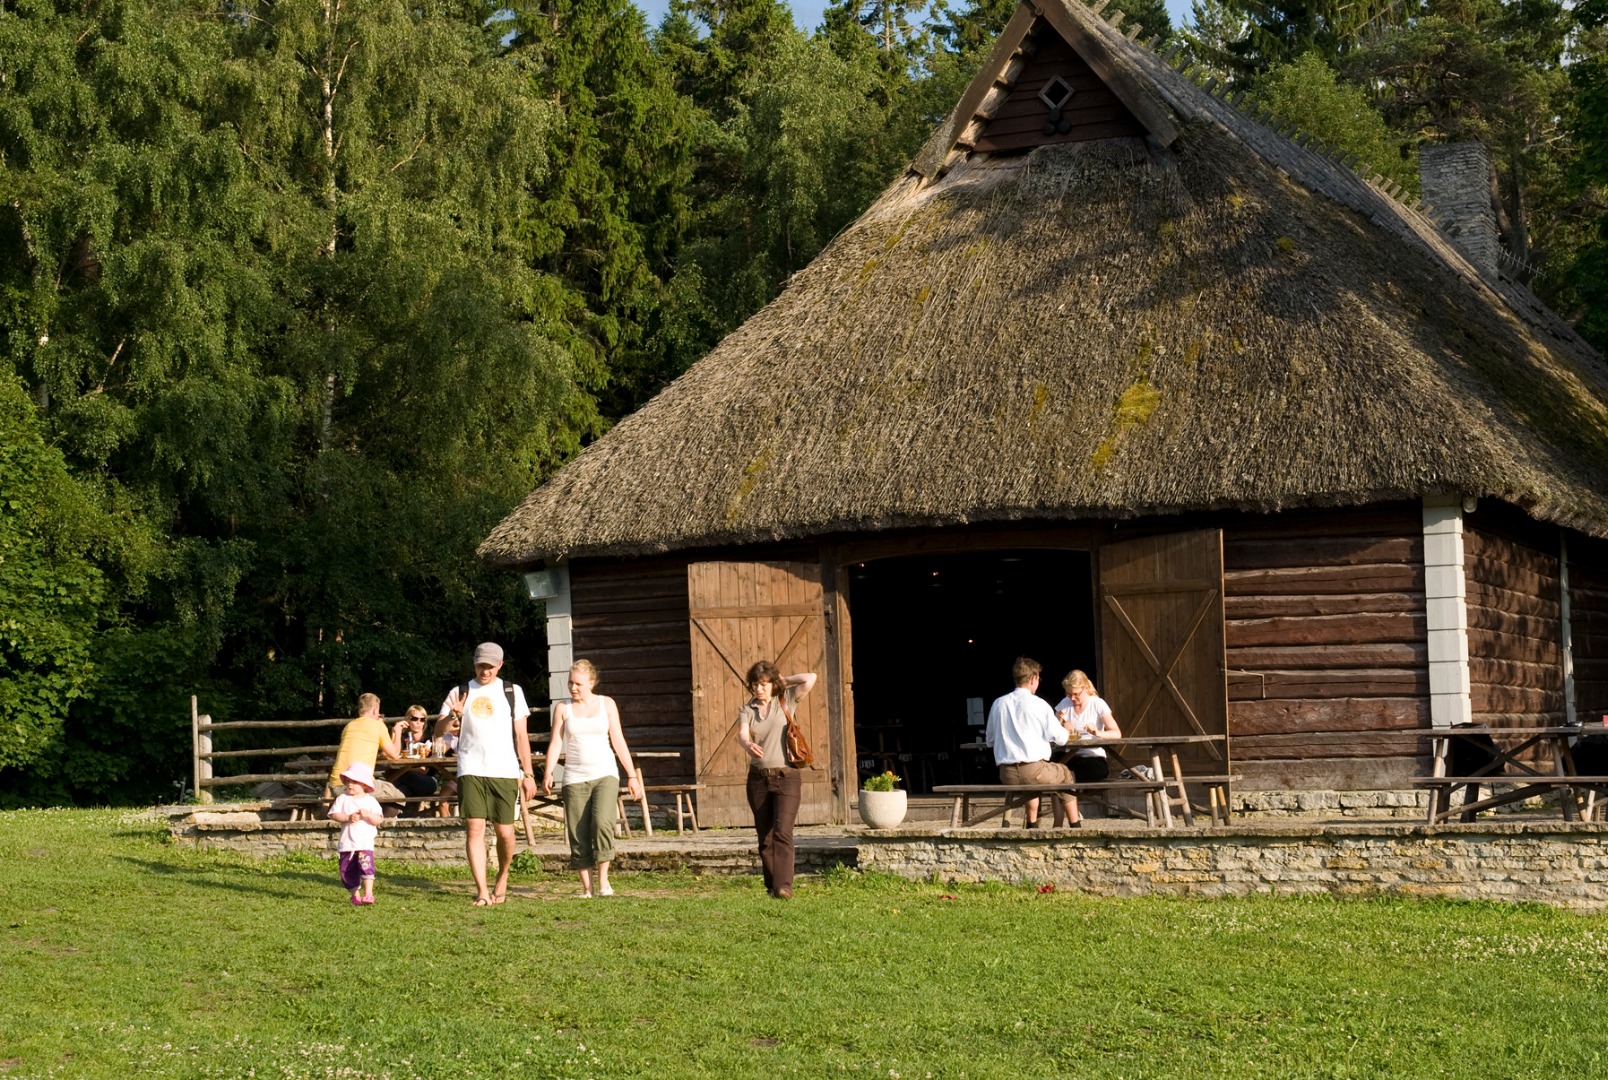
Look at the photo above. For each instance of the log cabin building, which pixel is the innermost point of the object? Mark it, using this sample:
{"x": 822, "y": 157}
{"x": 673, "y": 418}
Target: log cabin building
{"x": 1117, "y": 377}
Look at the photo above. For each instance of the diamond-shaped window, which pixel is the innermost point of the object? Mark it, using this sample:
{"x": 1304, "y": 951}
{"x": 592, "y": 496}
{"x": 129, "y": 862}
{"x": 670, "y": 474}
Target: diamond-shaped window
{"x": 1056, "y": 93}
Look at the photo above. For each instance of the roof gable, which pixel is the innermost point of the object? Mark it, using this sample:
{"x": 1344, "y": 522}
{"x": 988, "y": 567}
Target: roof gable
{"x": 1056, "y": 98}
{"x": 1003, "y": 110}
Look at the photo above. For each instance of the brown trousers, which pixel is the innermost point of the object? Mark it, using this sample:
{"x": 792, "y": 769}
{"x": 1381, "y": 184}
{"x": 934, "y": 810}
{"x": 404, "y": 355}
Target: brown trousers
{"x": 1028, "y": 773}
{"x": 773, "y": 795}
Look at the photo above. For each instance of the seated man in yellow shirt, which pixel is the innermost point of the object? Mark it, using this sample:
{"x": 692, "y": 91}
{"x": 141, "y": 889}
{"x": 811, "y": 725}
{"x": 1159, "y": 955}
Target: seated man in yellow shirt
{"x": 364, "y": 740}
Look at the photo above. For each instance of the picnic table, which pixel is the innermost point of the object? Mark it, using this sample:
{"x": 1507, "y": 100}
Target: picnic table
{"x": 1506, "y": 766}
{"x": 1158, "y": 799}
{"x": 684, "y": 810}
{"x": 392, "y": 768}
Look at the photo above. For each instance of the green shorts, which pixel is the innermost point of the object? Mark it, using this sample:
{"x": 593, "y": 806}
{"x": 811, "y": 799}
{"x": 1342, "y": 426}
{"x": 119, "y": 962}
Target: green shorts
{"x": 490, "y": 797}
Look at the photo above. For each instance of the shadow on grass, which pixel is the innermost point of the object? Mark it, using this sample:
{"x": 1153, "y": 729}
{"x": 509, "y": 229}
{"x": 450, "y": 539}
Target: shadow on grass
{"x": 207, "y": 878}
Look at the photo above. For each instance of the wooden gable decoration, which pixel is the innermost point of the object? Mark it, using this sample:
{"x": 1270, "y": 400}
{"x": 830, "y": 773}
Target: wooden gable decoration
{"x": 1052, "y": 78}
{"x": 1056, "y": 98}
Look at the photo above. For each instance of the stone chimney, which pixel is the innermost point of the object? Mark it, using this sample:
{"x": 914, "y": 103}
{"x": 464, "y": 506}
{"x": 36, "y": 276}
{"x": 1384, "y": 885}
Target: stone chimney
{"x": 1455, "y": 180}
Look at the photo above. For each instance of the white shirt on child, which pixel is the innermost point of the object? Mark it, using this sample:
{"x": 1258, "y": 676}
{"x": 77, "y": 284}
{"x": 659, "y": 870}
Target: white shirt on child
{"x": 357, "y": 834}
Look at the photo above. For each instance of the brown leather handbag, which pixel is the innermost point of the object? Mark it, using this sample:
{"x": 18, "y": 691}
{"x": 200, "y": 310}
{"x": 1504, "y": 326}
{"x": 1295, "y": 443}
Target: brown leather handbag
{"x": 794, "y": 746}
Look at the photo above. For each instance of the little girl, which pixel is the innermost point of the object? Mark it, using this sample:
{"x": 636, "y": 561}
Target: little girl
{"x": 360, "y": 815}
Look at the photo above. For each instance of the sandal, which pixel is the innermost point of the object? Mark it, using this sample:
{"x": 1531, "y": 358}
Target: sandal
{"x": 357, "y": 901}
{"x": 499, "y": 898}
{"x": 481, "y": 901}
{"x": 607, "y": 890}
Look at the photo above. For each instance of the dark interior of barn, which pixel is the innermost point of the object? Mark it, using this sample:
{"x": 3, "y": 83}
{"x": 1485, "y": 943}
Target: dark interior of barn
{"x": 934, "y": 639}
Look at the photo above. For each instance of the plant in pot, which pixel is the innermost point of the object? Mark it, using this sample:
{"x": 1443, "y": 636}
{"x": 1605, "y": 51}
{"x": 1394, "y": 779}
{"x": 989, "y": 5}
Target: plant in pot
{"x": 882, "y": 802}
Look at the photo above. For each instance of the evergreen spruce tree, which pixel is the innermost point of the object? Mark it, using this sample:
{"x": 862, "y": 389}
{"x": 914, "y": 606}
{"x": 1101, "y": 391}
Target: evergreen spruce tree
{"x": 610, "y": 221}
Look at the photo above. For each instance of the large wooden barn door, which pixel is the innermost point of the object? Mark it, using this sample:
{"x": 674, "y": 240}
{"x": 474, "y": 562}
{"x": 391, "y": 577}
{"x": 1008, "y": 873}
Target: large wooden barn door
{"x": 1161, "y": 601}
{"x": 742, "y": 612}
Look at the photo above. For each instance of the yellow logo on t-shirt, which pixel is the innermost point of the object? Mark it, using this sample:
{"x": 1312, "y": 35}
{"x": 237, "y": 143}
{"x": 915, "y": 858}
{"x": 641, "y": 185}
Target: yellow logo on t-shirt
{"x": 482, "y": 707}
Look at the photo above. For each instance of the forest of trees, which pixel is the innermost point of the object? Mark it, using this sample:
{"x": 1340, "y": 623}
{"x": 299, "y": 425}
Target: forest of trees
{"x": 299, "y": 297}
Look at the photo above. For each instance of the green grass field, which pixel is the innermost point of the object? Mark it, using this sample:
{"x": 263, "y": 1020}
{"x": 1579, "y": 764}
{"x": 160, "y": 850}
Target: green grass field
{"x": 122, "y": 955}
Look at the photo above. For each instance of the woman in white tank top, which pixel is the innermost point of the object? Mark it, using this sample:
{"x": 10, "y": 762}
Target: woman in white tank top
{"x": 586, "y": 730}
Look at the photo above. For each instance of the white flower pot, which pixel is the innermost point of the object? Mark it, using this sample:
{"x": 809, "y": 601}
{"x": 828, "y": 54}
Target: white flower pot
{"x": 883, "y": 809}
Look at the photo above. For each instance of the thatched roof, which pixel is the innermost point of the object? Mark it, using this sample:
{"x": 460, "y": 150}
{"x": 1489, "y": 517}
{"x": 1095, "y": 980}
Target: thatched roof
{"x": 1101, "y": 329}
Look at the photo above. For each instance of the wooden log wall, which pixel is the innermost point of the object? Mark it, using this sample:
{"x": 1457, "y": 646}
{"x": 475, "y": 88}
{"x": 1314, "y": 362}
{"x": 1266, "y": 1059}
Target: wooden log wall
{"x": 1328, "y": 676}
{"x": 631, "y": 621}
{"x": 1588, "y": 623}
{"x": 1515, "y": 611}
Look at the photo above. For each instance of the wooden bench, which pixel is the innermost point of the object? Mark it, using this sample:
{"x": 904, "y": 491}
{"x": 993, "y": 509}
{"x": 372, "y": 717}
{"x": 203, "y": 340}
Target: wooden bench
{"x": 685, "y": 811}
{"x": 1014, "y": 796}
{"x": 1525, "y": 784}
{"x": 1158, "y": 797}
{"x": 1217, "y": 805}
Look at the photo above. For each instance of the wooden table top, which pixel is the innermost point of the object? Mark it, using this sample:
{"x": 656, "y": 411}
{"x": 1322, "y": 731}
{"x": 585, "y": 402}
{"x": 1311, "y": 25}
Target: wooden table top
{"x": 1540, "y": 732}
{"x": 1126, "y": 740}
{"x": 1151, "y": 740}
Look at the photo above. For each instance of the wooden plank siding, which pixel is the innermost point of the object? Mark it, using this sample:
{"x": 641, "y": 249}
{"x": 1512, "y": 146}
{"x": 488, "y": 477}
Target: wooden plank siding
{"x": 1515, "y": 629}
{"x": 1328, "y": 678}
{"x": 631, "y": 620}
{"x": 1093, "y": 110}
{"x": 1588, "y": 623}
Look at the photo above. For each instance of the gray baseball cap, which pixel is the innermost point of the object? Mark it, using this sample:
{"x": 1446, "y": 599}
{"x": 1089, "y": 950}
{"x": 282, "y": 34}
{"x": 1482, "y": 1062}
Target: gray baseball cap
{"x": 488, "y": 652}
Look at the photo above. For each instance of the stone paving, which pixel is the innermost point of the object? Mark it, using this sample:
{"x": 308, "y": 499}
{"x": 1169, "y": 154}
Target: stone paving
{"x": 1513, "y": 857}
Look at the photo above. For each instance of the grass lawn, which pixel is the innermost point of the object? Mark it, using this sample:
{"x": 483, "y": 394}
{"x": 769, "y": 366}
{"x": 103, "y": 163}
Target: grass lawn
{"x": 121, "y": 955}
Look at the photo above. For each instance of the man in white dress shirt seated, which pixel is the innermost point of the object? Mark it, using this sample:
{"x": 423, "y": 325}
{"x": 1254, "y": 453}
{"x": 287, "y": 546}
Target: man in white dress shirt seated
{"x": 1021, "y": 729}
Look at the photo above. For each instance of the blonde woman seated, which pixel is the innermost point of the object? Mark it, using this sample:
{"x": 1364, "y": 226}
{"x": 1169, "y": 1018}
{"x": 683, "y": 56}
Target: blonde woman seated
{"x": 586, "y": 730}
{"x": 1085, "y": 715}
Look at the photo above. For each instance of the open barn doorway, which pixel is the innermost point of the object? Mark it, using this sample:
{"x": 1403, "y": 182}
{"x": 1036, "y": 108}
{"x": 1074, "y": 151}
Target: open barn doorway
{"x": 934, "y": 639}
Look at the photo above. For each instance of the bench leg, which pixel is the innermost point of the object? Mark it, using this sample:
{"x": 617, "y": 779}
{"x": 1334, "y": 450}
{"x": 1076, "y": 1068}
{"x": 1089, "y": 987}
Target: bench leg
{"x": 957, "y": 812}
{"x": 1161, "y": 796}
{"x": 621, "y": 824}
{"x": 1183, "y": 793}
{"x": 1219, "y": 799}
{"x": 1568, "y": 801}
{"x": 1439, "y": 748}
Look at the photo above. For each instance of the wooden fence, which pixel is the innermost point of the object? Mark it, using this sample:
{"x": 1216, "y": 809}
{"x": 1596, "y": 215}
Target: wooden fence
{"x": 202, "y": 728}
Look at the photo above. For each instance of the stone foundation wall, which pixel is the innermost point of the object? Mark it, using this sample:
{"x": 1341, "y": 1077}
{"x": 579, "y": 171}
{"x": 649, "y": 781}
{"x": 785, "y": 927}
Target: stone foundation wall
{"x": 436, "y": 842}
{"x": 440, "y": 842}
{"x": 1408, "y": 805}
{"x": 1550, "y": 863}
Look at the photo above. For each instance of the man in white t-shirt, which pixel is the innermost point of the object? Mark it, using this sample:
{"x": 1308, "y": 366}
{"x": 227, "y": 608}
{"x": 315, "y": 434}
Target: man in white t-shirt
{"x": 494, "y": 773}
{"x": 1021, "y": 729}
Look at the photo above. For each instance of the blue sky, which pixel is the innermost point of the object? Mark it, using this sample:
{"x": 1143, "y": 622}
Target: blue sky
{"x": 807, "y": 13}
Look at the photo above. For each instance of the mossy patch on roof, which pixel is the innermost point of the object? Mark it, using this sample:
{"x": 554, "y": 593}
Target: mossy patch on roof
{"x": 1134, "y": 407}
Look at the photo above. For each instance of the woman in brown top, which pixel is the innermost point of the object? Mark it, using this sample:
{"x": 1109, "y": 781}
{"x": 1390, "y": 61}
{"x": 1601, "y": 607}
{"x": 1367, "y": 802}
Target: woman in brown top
{"x": 773, "y": 788}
